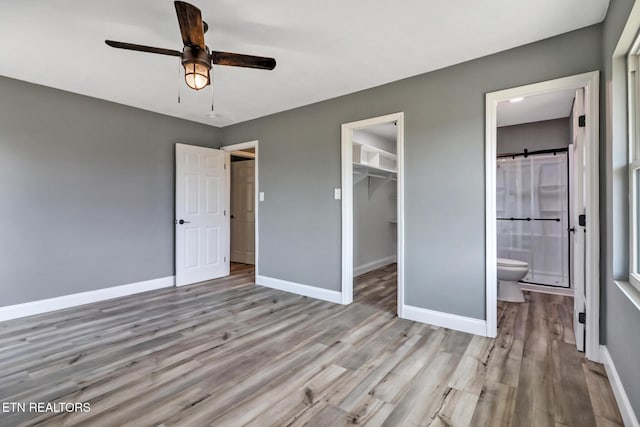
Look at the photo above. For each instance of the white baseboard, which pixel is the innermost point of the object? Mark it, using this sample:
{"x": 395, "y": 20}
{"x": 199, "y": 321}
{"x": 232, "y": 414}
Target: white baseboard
{"x": 567, "y": 292}
{"x": 58, "y": 303}
{"x": 300, "y": 289}
{"x": 445, "y": 320}
{"x": 626, "y": 410}
{"x": 374, "y": 265}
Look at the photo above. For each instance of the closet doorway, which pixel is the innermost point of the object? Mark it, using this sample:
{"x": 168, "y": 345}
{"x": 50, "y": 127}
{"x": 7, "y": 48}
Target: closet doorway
{"x": 372, "y": 212}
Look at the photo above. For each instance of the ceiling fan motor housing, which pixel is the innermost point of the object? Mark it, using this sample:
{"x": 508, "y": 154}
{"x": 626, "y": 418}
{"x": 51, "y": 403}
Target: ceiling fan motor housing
{"x": 192, "y": 54}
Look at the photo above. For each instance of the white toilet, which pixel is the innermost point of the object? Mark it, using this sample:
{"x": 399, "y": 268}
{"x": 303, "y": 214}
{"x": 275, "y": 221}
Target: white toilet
{"x": 509, "y": 272}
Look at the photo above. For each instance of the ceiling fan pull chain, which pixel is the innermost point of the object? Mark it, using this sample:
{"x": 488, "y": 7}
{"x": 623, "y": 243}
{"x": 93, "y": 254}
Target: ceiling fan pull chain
{"x": 212, "y": 110}
{"x": 179, "y": 75}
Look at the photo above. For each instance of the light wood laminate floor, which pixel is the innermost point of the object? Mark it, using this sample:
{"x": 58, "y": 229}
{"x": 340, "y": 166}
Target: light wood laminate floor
{"x": 230, "y": 353}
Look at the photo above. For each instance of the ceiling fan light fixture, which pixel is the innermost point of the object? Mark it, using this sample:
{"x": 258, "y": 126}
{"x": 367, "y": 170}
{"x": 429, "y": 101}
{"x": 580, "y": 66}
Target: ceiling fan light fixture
{"x": 196, "y": 75}
{"x": 196, "y": 65}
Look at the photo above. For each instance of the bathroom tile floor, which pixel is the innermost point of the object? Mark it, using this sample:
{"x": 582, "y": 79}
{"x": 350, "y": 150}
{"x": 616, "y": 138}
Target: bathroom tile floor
{"x": 230, "y": 353}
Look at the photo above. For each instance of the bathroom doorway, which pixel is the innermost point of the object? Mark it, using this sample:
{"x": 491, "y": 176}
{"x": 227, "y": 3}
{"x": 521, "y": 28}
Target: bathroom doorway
{"x": 542, "y": 185}
{"x": 372, "y": 212}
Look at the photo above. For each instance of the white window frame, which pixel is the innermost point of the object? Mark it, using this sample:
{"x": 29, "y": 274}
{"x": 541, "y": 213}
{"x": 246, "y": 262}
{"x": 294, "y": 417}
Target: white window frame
{"x": 633, "y": 79}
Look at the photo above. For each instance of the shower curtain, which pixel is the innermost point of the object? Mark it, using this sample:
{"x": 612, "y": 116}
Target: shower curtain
{"x": 533, "y": 212}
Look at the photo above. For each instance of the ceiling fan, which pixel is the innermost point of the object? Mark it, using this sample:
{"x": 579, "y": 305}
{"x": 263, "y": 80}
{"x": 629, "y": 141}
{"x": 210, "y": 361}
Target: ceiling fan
{"x": 195, "y": 55}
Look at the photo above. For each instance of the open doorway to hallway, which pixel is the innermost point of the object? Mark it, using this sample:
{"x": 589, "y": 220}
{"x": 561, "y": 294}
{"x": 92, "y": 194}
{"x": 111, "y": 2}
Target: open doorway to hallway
{"x": 243, "y": 206}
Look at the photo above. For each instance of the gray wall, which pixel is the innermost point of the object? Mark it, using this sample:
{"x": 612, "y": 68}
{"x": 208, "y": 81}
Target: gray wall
{"x": 86, "y": 192}
{"x": 374, "y": 236}
{"x": 444, "y": 143}
{"x": 544, "y": 135}
{"x": 619, "y": 317}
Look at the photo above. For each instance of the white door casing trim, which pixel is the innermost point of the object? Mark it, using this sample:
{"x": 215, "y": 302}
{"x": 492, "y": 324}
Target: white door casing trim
{"x": 347, "y": 203}
{"x": 243, "y": 146}
{"x": 590, "y": 81}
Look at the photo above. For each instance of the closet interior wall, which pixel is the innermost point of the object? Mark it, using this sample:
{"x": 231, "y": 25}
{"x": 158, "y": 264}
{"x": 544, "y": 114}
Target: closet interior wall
{"x": 374, "y": 202}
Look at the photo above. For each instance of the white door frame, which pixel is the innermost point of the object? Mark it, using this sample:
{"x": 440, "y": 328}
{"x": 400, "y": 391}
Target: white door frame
{"x": 347, "y": 203}
{"x": 244, "y": 146}
{"x": 590, "y": 81}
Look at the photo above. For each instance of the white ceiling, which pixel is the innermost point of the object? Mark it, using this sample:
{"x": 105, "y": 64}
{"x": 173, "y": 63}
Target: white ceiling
{"x": 553, "y": 105}
{"x": 324, "y": 49}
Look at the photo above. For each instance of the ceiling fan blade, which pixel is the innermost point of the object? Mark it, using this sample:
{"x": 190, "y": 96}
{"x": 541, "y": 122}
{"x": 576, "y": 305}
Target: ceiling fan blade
{"x": 191, "y": 26}
{"x": 238, "y": 60}
{"x": 141, "y": 48}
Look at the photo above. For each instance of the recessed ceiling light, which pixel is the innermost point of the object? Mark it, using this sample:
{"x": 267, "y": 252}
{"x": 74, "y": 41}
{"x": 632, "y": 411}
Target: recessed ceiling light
{"x": 518, "y": 99}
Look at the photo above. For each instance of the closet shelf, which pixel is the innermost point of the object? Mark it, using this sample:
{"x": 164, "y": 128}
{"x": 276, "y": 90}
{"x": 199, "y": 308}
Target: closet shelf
{"x": 367, "y": 155}
{"x": 372, "y": 149}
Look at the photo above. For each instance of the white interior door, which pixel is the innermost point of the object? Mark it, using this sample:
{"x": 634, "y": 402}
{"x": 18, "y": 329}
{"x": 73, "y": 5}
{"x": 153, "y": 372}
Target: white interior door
{"x": 578, "y": 208}
{"x": 243, "y": 223}
{"x": 202, "y": 223}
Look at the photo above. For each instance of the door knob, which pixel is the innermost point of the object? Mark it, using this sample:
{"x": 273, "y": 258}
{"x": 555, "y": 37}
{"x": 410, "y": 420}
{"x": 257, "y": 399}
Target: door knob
{"x": 182, "y": 221}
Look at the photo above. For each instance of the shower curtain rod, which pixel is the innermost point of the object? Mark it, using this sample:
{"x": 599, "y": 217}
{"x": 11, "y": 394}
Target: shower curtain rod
{"x": 526, "y": 153}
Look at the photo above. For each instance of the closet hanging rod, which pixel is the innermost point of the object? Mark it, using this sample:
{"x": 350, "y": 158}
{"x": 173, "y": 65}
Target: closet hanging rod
{"x": 529, "y": 219}
{"x": 373, "y": 175}
{"x": 382, "y": 175}
{"x": 526, "y": 153}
